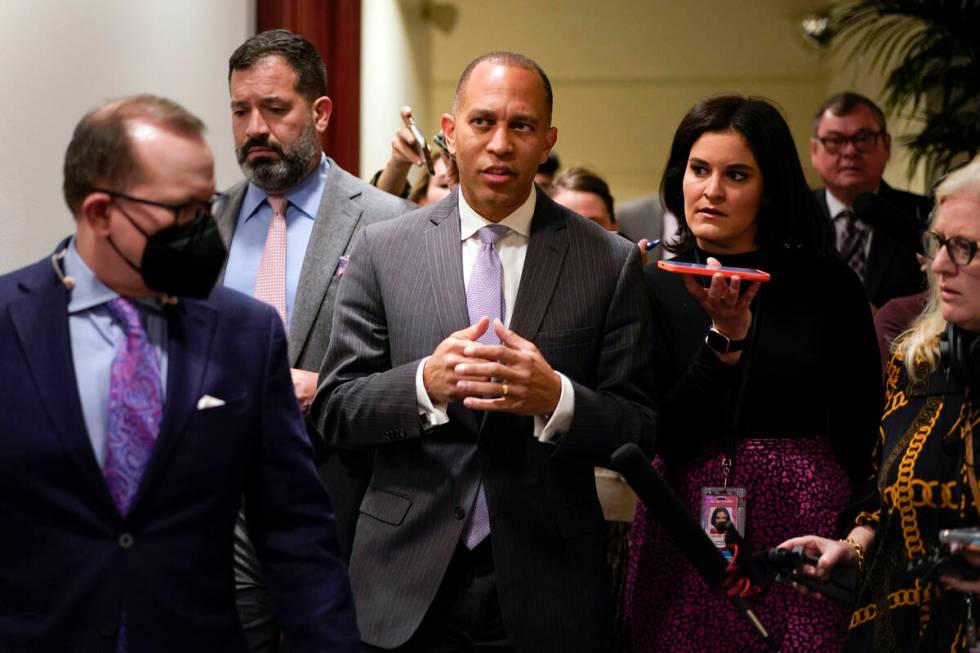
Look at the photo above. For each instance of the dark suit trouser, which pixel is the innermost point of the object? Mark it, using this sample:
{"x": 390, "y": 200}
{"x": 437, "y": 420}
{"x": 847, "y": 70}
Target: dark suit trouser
{"x": 465, "y": 614}
{"x": 252, "y": 598}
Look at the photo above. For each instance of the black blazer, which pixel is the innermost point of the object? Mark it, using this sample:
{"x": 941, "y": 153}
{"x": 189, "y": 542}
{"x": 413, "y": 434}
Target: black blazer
{"x": 892, "y": 269}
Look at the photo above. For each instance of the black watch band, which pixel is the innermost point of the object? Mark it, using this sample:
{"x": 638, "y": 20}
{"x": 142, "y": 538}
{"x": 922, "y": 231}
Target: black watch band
{"x": 722, "y": 343}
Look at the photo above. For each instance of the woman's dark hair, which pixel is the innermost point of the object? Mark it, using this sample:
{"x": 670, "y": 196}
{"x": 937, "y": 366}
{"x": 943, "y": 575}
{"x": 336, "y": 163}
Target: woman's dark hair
{"x": 585, "y": 181}
{"x": 789, "y": 214}
{"x": 720, "y": 511}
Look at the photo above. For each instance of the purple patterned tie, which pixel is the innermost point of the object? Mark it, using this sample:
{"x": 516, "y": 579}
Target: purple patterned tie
{"x": 135, "y": 407}
{"x": 853, "y": 242}
{"x": 484, "y": 296}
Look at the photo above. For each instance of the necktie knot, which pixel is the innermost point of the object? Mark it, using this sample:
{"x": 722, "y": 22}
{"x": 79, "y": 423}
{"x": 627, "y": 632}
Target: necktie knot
{"x": 278, "y": 204}
{"x": 490, "y": 234}
{"x": 123, "y": 311}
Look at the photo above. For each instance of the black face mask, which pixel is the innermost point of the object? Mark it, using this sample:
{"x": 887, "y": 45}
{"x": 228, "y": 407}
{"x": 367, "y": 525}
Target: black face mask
{"x": 183, "y": 260}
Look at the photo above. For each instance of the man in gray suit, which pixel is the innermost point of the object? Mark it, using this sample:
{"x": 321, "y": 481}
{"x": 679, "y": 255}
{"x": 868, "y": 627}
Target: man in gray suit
{"x": 481, "y": 526}
{"x": 293, "y": 258}
{"x": 644, "y": 218}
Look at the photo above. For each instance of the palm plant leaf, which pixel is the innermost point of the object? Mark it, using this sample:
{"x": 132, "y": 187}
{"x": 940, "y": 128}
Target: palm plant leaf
{"x": 929, "y": 51}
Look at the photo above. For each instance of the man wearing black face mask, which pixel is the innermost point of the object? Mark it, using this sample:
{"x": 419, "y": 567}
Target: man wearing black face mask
{"x": 139, "y": 409}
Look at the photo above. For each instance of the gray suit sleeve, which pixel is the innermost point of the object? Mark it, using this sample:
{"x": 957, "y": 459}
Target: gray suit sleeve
{"x": 620, "y": 407}
{"x": 363, "y": 402}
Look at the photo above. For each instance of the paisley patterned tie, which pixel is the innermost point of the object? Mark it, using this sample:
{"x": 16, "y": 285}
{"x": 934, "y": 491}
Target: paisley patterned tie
{"x": 135, "y": 407}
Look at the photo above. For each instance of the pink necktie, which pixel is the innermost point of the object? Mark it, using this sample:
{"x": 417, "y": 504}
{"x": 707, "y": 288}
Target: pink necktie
{"x": 270, "y": 281}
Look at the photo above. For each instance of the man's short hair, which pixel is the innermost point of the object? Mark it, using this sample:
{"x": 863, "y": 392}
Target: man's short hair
{"x": 100, "y": 152}
{"x": 512, "y": 60}
{"x": 844, "y": 103}
{"x": 584, "y": 180}
{"x": 302, "y": 57}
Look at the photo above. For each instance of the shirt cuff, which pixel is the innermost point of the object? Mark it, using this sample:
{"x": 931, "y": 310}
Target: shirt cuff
{"x": 430, "y": 415}
{"x": 547, "y": 427}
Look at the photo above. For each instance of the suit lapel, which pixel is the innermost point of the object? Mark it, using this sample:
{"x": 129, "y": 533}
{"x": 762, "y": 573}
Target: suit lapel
{"x": 226, "y": 217}
{"x": 336, "y": 219}
{"x": 445, "y": 267}
{"x": 883, "y": 250}
{"x": 546, "y": 251}
{"x": 41, "y": 323}
{"x": 190, "y": 330}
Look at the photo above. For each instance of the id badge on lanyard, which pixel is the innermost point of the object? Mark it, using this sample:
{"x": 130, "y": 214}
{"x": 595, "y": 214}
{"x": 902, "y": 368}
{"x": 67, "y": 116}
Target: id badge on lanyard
{"x": 723, "y": 507}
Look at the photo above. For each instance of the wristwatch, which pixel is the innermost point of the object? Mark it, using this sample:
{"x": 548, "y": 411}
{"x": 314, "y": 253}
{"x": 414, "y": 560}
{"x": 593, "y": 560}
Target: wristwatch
{"x": 722, "y": 343}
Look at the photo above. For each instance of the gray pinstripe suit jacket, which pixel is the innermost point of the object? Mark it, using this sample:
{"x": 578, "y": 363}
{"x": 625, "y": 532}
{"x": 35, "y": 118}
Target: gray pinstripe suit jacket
{"x": 581, "y": 301}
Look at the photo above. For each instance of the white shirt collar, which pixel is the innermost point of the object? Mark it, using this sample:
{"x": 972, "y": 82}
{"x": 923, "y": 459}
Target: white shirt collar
{"x": 519, "y": 221}
{"x": 835, "y": 207}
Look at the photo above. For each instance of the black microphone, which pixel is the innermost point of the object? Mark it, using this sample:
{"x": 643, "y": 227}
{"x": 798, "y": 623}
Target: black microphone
{"x": 839, "y": 588}
{"x": 667, "y": 509}
{"x": 885, "y": 217}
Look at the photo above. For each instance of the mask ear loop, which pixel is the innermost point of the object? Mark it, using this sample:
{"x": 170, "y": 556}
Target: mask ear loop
{"x": 118, "y": 251}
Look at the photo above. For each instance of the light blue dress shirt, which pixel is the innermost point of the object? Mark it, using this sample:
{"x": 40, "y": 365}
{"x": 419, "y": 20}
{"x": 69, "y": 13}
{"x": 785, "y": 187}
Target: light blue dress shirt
{"x": 95, "y": 336}
{"x": 252, "y": 227}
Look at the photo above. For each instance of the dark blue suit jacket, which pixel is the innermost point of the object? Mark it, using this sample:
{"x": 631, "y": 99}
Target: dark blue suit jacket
{"x": 70, "y": 565}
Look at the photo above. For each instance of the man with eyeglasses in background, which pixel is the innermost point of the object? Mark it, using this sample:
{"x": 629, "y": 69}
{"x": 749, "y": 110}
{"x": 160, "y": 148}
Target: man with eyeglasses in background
{"x": 878, "y": 228}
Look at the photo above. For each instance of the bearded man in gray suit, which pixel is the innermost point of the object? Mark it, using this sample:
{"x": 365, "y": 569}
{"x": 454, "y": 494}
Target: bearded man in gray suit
{"x": 481, "y": 525}
{"x": 293, "y": 258}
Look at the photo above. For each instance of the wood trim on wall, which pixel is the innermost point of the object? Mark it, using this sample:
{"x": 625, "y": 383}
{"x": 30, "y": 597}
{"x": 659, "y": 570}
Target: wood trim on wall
{"x": 334, "y": 28}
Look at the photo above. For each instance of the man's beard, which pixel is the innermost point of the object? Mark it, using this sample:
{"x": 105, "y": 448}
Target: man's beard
{"x": 275, "y": 175}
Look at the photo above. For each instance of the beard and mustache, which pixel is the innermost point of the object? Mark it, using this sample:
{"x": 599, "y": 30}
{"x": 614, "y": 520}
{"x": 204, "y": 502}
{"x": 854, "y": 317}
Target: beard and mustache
{"x": 278, "y": 174}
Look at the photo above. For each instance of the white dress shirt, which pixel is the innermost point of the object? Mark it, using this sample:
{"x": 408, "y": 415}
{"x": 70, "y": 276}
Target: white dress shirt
{"x": 511, "y": 249}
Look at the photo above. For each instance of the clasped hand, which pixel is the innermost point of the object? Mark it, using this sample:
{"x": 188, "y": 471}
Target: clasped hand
{"x": 511, "y": 377}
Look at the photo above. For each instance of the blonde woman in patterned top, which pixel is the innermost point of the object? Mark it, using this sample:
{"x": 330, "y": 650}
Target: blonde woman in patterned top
{"x": 926, "y": 479}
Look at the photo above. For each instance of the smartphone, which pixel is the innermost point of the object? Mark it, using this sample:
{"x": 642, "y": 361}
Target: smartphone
{"x": 421, "y": 146}
{"x": 749, "y": 274}
{"x": 969, "y": 537}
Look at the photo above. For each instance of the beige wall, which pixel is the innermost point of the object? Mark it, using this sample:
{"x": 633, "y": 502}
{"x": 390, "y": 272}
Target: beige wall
{"x": 626, "y": 71}
{"x": 63, "y": 58}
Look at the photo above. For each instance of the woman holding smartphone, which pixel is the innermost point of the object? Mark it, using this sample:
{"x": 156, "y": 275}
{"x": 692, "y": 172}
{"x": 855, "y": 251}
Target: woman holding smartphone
{"x": 927, "y": 473}
{"x": 769, "y": 393}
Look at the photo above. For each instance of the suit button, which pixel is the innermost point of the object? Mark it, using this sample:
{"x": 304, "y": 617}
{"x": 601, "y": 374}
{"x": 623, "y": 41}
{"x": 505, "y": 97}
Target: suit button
{"x": 125, "y": 540}
{"x": 108, "y": 628}
{"x": 458, "y": 512}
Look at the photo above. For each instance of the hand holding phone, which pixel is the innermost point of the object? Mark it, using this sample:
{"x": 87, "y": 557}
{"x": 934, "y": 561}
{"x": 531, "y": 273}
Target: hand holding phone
{"x": 699, "y": 269}
{"x": 421, "y": 146}
{"x": 967, "y": 538}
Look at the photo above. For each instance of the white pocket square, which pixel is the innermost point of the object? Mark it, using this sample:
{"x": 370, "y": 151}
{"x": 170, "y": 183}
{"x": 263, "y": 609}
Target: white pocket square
{"x": 207, "y": 401}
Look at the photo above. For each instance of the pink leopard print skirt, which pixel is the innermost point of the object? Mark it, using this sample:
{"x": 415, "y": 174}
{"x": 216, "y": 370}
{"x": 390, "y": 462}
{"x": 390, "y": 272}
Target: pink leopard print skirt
{"x": 795, "y": 487}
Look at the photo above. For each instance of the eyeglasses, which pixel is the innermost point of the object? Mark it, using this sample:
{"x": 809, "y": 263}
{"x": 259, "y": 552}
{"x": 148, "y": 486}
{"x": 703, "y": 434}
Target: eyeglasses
{"x": 864, "y": 141}
{"x": 185, "y": 213}
{"x": 960, "y": 250}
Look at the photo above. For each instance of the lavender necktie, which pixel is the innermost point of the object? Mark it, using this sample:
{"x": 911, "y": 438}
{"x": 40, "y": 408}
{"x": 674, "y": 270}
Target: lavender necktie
{"x": 135, "y": 407}
{"x": 484, "y": 296}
